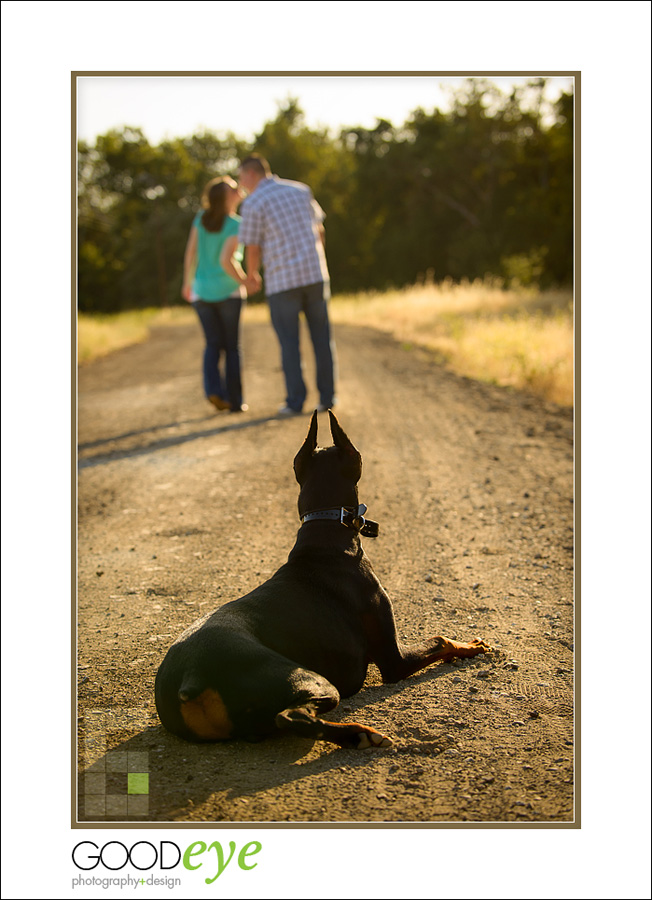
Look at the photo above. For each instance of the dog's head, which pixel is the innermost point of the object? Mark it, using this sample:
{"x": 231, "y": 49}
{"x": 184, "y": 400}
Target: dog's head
{"x": 327, "y": 477}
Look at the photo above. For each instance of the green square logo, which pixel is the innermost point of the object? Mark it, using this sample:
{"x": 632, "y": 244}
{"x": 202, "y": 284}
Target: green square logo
{"x": 137, "y": 783}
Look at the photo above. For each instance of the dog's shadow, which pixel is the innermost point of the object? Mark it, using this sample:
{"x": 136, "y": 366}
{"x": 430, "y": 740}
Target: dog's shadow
{"x": 153, "y": 776}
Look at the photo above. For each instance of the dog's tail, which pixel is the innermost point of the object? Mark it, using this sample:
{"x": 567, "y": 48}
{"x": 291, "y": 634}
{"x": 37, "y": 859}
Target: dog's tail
{"x": 191, "y": 687}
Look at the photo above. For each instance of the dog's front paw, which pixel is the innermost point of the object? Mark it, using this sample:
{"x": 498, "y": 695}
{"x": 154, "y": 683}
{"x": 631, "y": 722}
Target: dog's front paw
{"x": 463, "y": 649}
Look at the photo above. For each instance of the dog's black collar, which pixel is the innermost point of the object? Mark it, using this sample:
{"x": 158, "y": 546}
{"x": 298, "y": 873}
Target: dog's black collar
{"x": 351, "y": 516}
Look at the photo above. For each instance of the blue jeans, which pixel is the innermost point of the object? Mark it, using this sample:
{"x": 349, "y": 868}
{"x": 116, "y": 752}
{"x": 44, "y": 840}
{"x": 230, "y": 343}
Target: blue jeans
{"x": 221, "y": 323}
{"x": 285, "y": 308}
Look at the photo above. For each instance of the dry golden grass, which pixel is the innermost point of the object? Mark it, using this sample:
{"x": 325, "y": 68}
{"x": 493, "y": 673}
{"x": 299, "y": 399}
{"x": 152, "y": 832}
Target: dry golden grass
{"x": 100, "y": 334}
{"x": 518, "y": 337}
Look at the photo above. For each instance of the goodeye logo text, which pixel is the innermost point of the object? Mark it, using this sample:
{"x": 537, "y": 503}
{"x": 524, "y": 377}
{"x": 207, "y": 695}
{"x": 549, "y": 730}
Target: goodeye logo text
{"x": 143, "y": 856}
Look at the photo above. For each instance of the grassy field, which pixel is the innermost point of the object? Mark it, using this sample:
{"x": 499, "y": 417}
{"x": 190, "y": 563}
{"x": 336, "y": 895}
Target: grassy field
{"x": 100, "y": 334}
{"x": 521, "y": 338}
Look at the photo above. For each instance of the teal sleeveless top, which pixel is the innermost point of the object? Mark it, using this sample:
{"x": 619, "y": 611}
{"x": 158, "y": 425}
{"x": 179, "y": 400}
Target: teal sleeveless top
{"x": 211, "y": 281}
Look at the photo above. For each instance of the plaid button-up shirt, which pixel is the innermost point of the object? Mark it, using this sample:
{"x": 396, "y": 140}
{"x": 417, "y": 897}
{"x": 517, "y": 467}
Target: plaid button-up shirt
{"x": 283, "y": 218}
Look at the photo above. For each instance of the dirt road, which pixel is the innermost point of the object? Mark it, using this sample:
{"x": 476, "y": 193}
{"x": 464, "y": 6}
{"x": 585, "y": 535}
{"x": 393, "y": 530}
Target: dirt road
{"x": 182, "y": 509}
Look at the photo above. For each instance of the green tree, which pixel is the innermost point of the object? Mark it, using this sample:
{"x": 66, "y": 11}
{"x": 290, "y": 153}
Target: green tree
{"x": 486, "y": 187}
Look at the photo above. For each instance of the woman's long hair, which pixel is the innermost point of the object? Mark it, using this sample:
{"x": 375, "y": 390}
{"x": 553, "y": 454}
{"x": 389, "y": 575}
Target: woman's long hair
{"x": 214, "y": 202}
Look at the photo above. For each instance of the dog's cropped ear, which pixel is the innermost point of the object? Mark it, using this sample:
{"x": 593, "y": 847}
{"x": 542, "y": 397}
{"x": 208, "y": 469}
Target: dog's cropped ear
{"x": 343, "y": 442}
{"x": 302, "y": 459}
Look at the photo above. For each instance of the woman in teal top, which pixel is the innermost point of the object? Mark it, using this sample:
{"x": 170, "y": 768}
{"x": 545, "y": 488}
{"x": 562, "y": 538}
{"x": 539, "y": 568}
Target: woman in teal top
{"x": 214, "y": 282}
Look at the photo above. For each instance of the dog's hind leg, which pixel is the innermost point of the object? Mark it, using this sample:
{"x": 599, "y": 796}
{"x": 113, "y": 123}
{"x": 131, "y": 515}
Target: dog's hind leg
{"x": 305, "y": 723}
{"x": 316, "y": 697}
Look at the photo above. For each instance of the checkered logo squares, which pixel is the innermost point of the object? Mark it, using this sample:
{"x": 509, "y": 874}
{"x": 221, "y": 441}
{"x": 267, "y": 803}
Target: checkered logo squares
{"x": 116, "y": 782}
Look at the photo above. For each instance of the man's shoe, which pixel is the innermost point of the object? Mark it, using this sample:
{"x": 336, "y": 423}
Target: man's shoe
{"x": 323, "y": 407}
{"x": 287, "y": 411}
{"x": 237, "y": 409}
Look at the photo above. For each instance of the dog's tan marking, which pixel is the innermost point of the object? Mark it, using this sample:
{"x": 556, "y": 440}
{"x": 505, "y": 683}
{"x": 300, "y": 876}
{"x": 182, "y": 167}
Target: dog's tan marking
{"x": 206, "y": 716}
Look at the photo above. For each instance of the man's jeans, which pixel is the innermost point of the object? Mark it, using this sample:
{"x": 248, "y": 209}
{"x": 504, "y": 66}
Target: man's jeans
{"x": 221, "y": 323}
{"x": 285, "y": 308}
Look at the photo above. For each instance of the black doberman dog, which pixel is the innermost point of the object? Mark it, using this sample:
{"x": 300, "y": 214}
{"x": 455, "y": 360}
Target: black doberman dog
{"x": 285, "y": 653}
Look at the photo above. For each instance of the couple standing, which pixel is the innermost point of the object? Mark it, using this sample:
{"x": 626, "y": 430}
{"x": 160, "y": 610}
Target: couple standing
{"x": 281, "y": 229}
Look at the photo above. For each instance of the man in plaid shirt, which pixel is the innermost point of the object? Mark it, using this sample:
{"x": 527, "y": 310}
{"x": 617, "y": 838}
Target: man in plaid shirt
{"x": 282, "y": 229}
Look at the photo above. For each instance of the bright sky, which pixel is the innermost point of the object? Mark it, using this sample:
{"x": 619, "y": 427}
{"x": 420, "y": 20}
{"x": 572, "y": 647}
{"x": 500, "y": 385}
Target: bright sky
{"x": 177, "y": 106}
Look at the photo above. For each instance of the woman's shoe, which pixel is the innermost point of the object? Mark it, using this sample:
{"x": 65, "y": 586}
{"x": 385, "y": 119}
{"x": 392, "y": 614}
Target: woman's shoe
{"x": 218, "y": 402}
